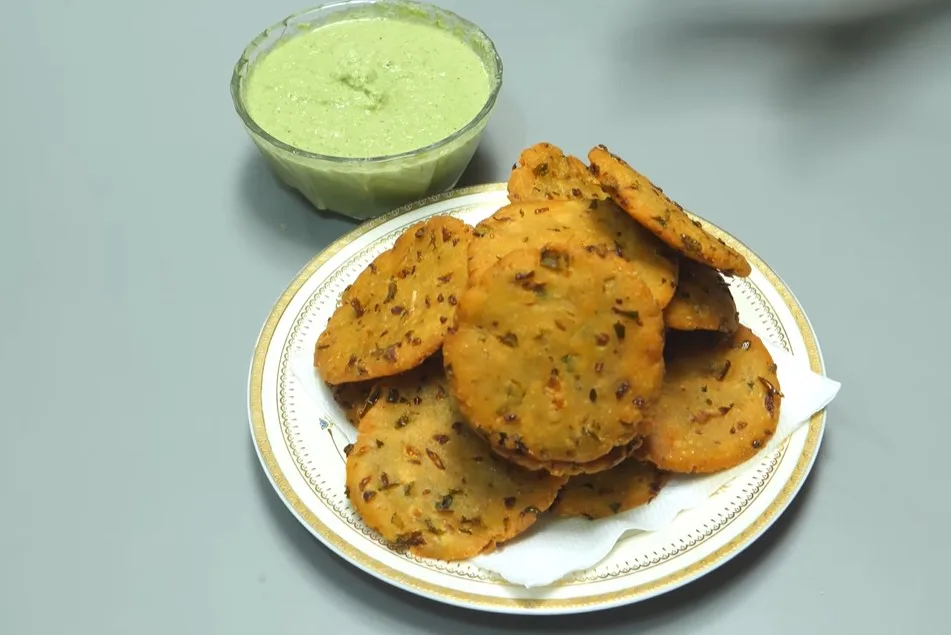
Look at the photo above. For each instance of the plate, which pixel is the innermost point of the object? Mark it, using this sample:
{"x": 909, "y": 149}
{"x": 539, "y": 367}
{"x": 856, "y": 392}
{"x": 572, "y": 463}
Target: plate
{"x": 300, "y": 435}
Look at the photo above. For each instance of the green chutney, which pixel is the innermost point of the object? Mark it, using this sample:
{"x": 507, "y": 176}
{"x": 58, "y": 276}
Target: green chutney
{"x": 366, "y": 87}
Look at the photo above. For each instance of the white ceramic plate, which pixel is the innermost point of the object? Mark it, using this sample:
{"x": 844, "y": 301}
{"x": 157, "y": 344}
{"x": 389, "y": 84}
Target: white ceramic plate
{"x": 300, "y": 433}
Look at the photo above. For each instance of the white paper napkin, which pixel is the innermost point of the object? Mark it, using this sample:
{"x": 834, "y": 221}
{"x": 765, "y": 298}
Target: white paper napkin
{"x": 556, "y": 547}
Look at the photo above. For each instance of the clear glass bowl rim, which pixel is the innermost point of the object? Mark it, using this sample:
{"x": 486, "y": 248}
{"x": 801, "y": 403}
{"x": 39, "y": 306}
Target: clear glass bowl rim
{"x": 244, "y": 60}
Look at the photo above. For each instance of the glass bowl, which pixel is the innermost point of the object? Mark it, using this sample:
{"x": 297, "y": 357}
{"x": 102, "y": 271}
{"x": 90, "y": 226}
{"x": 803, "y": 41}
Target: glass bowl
{"x": 363, "y": 188}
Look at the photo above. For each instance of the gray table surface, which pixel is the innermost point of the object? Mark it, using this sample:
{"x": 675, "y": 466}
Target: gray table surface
{"x": 143, "y": 242}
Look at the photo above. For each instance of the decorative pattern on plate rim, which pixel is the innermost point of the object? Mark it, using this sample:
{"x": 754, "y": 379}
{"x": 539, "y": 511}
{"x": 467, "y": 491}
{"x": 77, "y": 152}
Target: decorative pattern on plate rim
{"x": 764, "y": 311}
